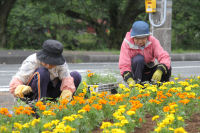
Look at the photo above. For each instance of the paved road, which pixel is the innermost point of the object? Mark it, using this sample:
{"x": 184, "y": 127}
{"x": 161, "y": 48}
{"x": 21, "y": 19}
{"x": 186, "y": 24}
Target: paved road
{"x": 180, "y": 68}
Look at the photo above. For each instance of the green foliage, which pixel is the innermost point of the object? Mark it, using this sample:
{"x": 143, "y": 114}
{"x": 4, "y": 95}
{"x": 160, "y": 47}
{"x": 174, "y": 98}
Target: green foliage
{"x": 30, "y": 22}
{"x": 185, "y": 25}
{"x": 96, "y": 78}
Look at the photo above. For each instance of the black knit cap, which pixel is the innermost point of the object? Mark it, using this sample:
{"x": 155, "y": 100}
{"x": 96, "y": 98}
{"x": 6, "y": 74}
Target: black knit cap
{"x": 51, "y": 53}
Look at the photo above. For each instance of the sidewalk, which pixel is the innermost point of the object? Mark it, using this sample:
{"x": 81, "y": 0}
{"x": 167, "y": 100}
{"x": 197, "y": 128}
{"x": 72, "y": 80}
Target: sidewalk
{"x": 17, "y": 56}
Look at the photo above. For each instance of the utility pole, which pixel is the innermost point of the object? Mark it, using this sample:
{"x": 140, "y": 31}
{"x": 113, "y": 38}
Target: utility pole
{"x": 163, "y": 33}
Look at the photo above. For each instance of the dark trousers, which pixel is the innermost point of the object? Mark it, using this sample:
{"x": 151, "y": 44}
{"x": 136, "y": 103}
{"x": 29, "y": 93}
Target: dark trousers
{"x": 142, "y": 72}
{"x": 43, "y": 87}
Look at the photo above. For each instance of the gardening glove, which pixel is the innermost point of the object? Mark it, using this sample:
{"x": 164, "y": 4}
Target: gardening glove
{"x": 131, "y": 82}
{"x": 66, "y": 94}
{"x": 22, "y": 90}
{"x": 128, "y": 78}
{"x": 157, "y": 75}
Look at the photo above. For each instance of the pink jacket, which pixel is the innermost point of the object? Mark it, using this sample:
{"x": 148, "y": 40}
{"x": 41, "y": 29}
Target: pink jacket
{"x": 28, "y": 67}
{"x": 152, "y": 50}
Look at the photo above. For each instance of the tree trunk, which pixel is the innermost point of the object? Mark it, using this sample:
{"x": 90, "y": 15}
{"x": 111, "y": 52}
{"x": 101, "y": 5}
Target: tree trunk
{"x": 5, "y": 7}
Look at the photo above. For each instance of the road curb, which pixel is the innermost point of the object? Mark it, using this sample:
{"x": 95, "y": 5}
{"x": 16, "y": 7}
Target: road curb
{"x": 17, "y": 56}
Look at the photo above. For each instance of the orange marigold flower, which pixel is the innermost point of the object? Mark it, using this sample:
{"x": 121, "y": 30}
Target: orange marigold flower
{"x": 140, "y": 119}
{"x": 112, "y": 103}
{"x": 134, "y": 97}
{"x": 39, "y": 103}
{"x": 184, "y": 101}
{"x": 81, "y": 94}
{"x": 90, "y": 74}
{"x": 97, "y": 106}
{"x": 64, "y": 101}
{"x": 166, "y": 108}
{"x": 28, "y": 112}
{"x": 87, "y": 108}
{"x": 139, "y": 96}
{"x": 169, "y": 94}
{"x": 102, "y": 101}
{"x": 73, "y": 102}
{"x": 42, "y": 107}
{"x": 9, "y": 115}
{"x": 4, "y": 111}
{"x": 146, "y": 95}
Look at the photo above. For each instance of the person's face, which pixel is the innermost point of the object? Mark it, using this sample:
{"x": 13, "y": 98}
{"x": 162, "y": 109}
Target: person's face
{"x": 140, "y": 41}
{"x": 48, "y": 66}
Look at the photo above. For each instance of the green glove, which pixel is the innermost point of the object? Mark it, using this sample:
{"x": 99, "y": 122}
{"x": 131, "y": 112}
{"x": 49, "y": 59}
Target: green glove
{"x": 131, "y": 82}
{"x": 157, "y": 75}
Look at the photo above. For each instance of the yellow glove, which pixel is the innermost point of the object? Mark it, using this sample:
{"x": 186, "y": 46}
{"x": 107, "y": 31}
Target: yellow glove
{"x": 157, "y": 75}
{"x": 66, "y": 94}
{"x": 22, "y": 90}
{"x": 131, "y": 82}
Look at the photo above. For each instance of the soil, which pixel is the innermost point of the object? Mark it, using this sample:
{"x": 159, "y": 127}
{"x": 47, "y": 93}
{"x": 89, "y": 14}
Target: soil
{"x": 193, "y": 125}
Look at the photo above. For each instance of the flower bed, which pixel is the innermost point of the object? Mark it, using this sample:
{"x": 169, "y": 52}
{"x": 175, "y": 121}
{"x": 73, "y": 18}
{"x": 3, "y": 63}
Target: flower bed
{"x": 169, "y": 106}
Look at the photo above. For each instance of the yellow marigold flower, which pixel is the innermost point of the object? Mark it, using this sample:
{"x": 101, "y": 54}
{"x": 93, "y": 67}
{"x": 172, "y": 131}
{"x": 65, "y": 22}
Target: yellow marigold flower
{"x": 127, "y": 90}
{"x": 158, "y": 129}
{"x": 55, "y": 122}
{"x": 116, "y": 130}
{"x": 122, "y": 106}
{"x": 171, "y": 129}
{"x": 46, "y": 132}
{"x": 3, "y": 129}
{"x": 15, "y": 131}
{"x": 141, "y": 90}
{"x": 122, "y": 86}
{"x": 179, "y": 130}
{"x": 81, "y": 111}
{"x": 176, "y": 78}
{"x": 85, "y": 84}
{"x": 84, "y": 90}
{"x": 18, "y": 126}
{"x": 188, "y": 88}
{"x": 105, "y": 125}
{"x": 120, "y": 117}
{"x": 122, "y": 110}
{"x": 58, "y": 130}
{"x": 26, "y": 125}
{"x": 48, "y": 112}
{"x": 47, "y": 125}
{"x": 80, "y": 116}
{"x": 69, "y": 129}
{"x": 130, "y": 112}
{"x": 35, "y": 121}
{"x": 125, "y": 121}
{"x": 155, "y": 117}
{"x": 180, "y": 118}
{"x": 118, "y": 124}
{"x": 68, "y": 118}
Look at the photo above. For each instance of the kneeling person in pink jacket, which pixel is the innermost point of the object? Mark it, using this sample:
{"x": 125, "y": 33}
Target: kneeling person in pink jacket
{"x": 45, "y": 75}
{"x": 137, "y": 57}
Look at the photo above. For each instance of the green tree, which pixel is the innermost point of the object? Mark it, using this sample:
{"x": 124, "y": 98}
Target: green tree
{"x": 111, "y": 19}
{"x": 5, "y": 8}
{"x": 185, "y": 24}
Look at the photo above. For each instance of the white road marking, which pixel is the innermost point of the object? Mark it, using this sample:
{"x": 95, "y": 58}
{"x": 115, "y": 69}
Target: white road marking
{"x": 187, "y": 67}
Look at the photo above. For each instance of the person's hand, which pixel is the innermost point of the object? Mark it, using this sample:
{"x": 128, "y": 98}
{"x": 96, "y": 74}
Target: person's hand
{"x": 22, "y": 90}
{"x": 131, "y": 82}
{"x": 66, "y": 94}
{"x": 157, "y": 75}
